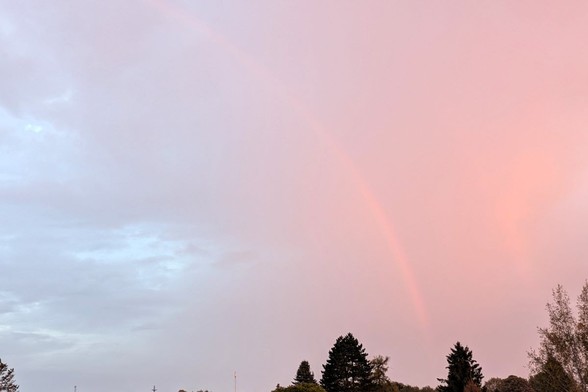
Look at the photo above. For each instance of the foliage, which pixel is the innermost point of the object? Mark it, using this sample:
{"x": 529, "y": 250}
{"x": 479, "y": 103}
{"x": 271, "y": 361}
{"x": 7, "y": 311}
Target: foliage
{"x": 304, "y": 374}
{"x": 379, "y": 380}
{"x": 551, "y": 378}
{"x": 461, "y": 369}
{"x": 347, "y": 368}
{"x": 493, "y": 385}
{"x": 471, "y": 387}
{"x": 565, "y": 340}
{"x": 400, "y": 387}
{"x": 7, "y": 383}
{"x": 300, "y": 387}
{"x": 515, "y": 384}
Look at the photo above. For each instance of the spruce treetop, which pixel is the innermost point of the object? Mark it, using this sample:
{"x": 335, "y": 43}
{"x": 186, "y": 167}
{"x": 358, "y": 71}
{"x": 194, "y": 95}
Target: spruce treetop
{"x": 347, "y": 368}
{"x": 304, "y": 374}
{"x": 462, "y": 369}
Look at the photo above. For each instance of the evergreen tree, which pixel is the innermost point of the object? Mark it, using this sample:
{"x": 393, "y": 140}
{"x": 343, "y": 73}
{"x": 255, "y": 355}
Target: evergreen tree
{"x": 304, "y": 375}
{"x": 347, "y": 368}
{"x": 461, "y": 369}
{"x": 7, "y": 379}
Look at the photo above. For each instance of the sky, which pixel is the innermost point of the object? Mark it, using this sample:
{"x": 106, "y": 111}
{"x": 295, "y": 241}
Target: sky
{"x": 189, "y": 189}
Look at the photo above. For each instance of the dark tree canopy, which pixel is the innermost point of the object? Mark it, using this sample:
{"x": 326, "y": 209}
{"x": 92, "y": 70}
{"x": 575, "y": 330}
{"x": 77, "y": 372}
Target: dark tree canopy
{"x": 493, "y": 384}
{"x": 551, "y": 377}
{"x": 347, "y": 368}
{"x": 304, "y": 374}
{"x": 7, "y": 383}
{"x": 301, "y": 387}
{"x": 515, "y": 384}
{"x": 400, "y": 387}
{"x": 462, "y": 368}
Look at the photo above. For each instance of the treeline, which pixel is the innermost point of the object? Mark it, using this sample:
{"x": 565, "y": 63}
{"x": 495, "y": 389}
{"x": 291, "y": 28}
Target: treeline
{"x": 560, "y": 364}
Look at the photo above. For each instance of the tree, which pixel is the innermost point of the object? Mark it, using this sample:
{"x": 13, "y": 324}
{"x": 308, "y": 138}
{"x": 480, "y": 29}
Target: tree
{"x": 7, "y": 379}
{"x": 304, "y": 375}
{"x": 400, "y": 387}
{"x": 301, "y": 387}
{"x": 471, "y": 387}
{"x": 347, "y": 368}
{"x": 551, "y": 378}
{"x": 515, "y": 384}
{"x": 379, "y": 380}
{"x": 461, "y": 369}
{"x": 493, "y": 385}
{"x": 564, "y": 341}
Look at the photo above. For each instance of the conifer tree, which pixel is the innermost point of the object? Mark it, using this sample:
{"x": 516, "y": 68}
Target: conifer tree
{"x": 7, "y": 383}
{"x": 461, "y": 370}
{"x": 347, "y": 368}
{"x": 304, "y": 374}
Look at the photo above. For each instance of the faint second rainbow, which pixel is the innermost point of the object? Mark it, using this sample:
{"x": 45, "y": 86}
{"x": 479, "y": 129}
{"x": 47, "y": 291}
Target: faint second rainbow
{"x": 372, "y": 203}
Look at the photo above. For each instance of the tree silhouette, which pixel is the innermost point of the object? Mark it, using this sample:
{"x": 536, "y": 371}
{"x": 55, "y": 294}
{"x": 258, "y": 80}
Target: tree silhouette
{"x": 515, "y": 384}
{"x": 347, "y": 368}
{"x": 551, "y": 377}
{"x": 7, "y": 379}
{"x": 461, "y": 370}
{"x": 379, "y": 378}
{"x": 304, "y": 375}
{"x": 564, "y": 342}
{"x": 302, "y": 387}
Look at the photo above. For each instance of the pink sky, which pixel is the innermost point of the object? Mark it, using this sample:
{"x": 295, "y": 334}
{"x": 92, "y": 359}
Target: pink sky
{"x": 190, "y": 190}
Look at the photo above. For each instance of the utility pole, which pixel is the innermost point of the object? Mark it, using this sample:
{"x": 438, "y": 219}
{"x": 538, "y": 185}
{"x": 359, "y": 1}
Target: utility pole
{"x": 235, "y": 381}
{"x": 154, "y": 390}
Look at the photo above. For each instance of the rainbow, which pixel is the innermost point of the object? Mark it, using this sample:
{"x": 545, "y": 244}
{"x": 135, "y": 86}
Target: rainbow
{"x": 379, "y": 214}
